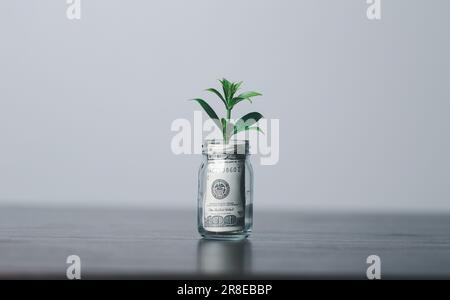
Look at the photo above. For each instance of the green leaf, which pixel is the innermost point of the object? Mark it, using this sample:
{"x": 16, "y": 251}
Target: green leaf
{"x": 249, "y": 95}
{"x": 237, "y": 100}
{"x": 250, "y": 128}
{"x": 244, "y": 96}
{"x": 246, "y": 128}
{"x": 226, "y": 86}
{"x": 249, "y": 119}
{"x": 246, "y": 122}
{"x": 229, "y": 100}
{"x": 234, "y": 88}
{"x": 209, "y": 111}
{"x": 214, "y": 91}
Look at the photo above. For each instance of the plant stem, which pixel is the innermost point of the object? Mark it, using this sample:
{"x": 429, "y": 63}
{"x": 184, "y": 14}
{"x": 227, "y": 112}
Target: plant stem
{"x": 225, "y": 134}
{"x": 224, "y": 130}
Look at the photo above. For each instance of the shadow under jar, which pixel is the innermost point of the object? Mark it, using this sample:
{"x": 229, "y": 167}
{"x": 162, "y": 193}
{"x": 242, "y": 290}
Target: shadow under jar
{"x": 225, "y": 191}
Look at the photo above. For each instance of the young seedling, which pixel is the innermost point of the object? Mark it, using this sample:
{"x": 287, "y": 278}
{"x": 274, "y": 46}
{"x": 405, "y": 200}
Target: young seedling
{"x": 230, "y": 100}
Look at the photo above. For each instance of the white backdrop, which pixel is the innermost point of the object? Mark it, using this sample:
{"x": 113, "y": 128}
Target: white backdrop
{"x": 86, "y": 106}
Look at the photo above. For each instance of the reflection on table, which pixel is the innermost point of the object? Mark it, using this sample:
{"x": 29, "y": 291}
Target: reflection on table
{"x": 224, "y": 257}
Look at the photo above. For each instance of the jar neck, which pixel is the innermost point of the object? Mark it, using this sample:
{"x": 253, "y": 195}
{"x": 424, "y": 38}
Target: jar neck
{"x": 211, "y": 157}
{"x": 234, "y": 148}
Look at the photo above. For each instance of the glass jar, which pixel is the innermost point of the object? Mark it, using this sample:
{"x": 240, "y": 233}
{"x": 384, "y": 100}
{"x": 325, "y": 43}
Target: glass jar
{"x": 225, "y": 191}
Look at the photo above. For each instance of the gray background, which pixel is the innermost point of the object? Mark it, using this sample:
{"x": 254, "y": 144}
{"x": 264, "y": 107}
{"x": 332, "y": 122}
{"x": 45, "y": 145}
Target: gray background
{"x": 86, "y": 106}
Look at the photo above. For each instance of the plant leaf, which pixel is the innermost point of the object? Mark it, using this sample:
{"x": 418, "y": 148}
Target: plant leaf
{"x": 226, "y": 86}
{"x": 244, "y": 96}
{"x": 238, "y": 85}
{"x": 248, "y": 120}
{"x": 234, "y": 88}
{"x": 249, "y": 95}
{"x": 247, "y": 128}
{"x": 209, "y": 111}
{"x": 214, "y": 91}
{"x": 237, "y": 100}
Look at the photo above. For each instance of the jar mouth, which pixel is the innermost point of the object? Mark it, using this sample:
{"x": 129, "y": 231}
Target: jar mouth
{"x": 237, "y": 147}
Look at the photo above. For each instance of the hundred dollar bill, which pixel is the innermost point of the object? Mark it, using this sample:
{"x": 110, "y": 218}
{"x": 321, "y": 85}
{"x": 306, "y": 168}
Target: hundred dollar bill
{"x": 224, "y": 201}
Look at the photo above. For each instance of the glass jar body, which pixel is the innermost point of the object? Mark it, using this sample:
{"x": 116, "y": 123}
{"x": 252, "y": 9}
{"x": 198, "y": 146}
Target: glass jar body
{"x": 225, "y": 195}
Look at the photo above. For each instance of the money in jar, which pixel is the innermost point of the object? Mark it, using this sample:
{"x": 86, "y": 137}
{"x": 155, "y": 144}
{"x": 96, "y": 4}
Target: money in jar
{"x": 225, "y": 208}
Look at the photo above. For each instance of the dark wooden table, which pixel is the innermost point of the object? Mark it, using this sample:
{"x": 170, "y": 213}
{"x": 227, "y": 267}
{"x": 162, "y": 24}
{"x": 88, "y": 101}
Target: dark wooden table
{"x": 126, "y": 243}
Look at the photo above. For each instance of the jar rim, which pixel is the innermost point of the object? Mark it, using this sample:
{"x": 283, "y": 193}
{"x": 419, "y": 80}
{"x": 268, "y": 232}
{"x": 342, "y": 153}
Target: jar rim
{"x": 238, "y": 147}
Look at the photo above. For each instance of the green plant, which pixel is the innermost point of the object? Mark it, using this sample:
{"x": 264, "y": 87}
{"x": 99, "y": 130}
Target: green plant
{"x": 230, "y": 100}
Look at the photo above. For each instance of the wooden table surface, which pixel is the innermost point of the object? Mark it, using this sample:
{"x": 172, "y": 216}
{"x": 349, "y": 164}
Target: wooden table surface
{"x": 127, "y": 243}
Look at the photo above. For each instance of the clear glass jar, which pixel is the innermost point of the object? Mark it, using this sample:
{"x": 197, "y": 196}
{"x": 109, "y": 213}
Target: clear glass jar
{"x": 225, "y": 191}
